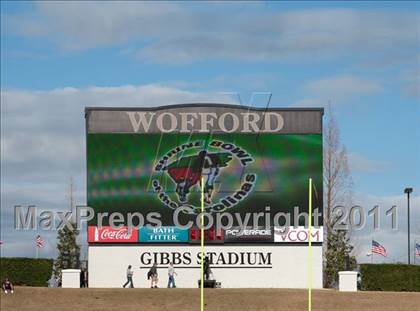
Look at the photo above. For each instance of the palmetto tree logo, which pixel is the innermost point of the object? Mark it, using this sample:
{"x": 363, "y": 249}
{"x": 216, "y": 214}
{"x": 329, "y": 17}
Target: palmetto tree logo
{"x": 189, "y": 171}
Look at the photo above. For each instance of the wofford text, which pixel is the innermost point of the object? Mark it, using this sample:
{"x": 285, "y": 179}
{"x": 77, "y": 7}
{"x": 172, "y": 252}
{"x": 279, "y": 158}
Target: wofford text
{"x": 203, "y": 122}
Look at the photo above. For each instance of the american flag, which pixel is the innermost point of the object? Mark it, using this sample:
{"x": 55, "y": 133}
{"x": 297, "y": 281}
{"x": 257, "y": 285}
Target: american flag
{"x": 39, "y": 241}
{"x": 378, "y": 248}
{"x": 417, "y": 249}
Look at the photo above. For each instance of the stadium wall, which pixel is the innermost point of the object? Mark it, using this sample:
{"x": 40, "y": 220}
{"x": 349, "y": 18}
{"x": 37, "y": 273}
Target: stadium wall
{"x": 270, "y": 266}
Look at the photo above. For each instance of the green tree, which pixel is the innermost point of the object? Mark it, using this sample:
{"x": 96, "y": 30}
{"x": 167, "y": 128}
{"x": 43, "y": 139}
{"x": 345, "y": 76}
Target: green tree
{"x": 67, "y": 247}
{"x": 338, "y": 248}
{"x": 68, "y": 250}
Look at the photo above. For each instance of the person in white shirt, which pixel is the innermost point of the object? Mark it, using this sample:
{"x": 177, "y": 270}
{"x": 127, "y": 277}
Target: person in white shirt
{"x": 171, "y": 275}
{"x": 129, "y": 277}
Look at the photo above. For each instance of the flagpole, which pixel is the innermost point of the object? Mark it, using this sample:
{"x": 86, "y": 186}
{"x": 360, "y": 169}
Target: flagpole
{"x": 202, "y": 247}
{"x": 371, "y": 247}
{"x": 310, "y": 248}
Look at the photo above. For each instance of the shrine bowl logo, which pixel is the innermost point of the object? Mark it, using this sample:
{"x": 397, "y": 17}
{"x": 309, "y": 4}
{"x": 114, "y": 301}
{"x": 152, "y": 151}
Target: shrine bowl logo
{"x": 191, "y": 164}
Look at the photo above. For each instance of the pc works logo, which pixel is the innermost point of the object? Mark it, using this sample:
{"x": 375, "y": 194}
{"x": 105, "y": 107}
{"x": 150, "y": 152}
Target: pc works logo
{"x": 189, "y": 164}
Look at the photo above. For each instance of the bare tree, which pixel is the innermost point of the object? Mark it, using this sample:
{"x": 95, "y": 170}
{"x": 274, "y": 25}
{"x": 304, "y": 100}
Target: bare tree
{"x": 338, "y": 186}
{"x": 70, "y": 194}
{"x": 338, "y": 183}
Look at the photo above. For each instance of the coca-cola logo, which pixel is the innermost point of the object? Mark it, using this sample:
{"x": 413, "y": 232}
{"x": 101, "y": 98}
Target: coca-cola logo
{"x": 111, "y": 235}
{"x": 121, "y": 234}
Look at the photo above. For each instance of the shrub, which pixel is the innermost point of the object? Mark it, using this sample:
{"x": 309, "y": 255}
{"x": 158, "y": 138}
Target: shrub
{"x": 26, "y": 271}
{"x": 390, "y": 277}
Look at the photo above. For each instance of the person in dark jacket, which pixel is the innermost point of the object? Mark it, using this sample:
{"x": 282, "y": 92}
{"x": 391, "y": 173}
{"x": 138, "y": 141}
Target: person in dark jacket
{"x": 206, "y": 268}
{"x": 153, "y": 276}
{"x": 83, "y": 278}
{"x": 7, "y": 286}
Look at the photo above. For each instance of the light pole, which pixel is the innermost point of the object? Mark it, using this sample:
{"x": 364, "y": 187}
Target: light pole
{"x": 408, "y": 191}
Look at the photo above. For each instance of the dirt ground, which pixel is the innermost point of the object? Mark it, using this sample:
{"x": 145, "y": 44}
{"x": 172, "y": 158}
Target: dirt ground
{"x": 43, "y": 299}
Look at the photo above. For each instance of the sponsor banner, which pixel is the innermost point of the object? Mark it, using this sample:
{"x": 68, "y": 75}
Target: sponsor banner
{"x": 211, "y": 236}
{"x": 107, "y": 234}
{"x": 257, "y": 235}
{"x": 298, "y": 234}
{"x": 163, "y": 235}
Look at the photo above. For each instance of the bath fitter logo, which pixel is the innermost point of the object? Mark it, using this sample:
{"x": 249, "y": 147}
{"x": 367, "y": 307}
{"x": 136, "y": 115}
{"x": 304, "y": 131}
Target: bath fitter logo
{"x": 190, "y": 164}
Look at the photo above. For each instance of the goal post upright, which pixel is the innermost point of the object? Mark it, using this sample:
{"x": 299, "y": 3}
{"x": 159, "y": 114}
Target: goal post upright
{"x": 310, "y": 248}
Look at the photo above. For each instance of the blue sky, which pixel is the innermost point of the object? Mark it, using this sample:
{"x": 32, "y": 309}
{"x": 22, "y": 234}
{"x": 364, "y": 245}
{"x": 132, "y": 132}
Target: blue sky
{"x": 56, "y": 58}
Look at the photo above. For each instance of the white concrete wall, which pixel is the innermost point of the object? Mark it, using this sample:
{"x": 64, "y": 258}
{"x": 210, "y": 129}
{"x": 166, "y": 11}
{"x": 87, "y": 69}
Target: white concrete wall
{"x": 287, "y": 267}
{"x": 70, "y": 278}
{"x": 347, "y": 281}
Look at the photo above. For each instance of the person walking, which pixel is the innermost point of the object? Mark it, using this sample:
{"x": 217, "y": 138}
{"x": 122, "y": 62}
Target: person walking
{"x": 82, "y": 278}
{"x": 171, "y": 275}
{"x": 129, "y": 277}
{"x": 153, "y": 274}
{"x": 206, "y": 268}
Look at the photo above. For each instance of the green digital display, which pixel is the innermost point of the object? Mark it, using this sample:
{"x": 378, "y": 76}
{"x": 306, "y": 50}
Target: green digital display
{"x": 239, "y": 173}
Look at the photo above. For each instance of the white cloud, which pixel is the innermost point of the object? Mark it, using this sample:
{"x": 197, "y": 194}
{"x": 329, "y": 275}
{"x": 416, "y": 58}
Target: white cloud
{"x": 359, "y": 163}
{"x": 43, "y": 144}
{"x": 84, "y": 25}
{"x": 337, "y": 90}
{"x": 46, "y": 127}
{"x": 175, "y": 33}
{"x": 311, "y": 102}
{"x": 343, "y": 87}
{"x": 411, "y": 81}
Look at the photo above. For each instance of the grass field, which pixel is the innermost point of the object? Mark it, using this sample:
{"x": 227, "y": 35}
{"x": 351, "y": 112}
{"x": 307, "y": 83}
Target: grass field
{"x": 43, "y": 299}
